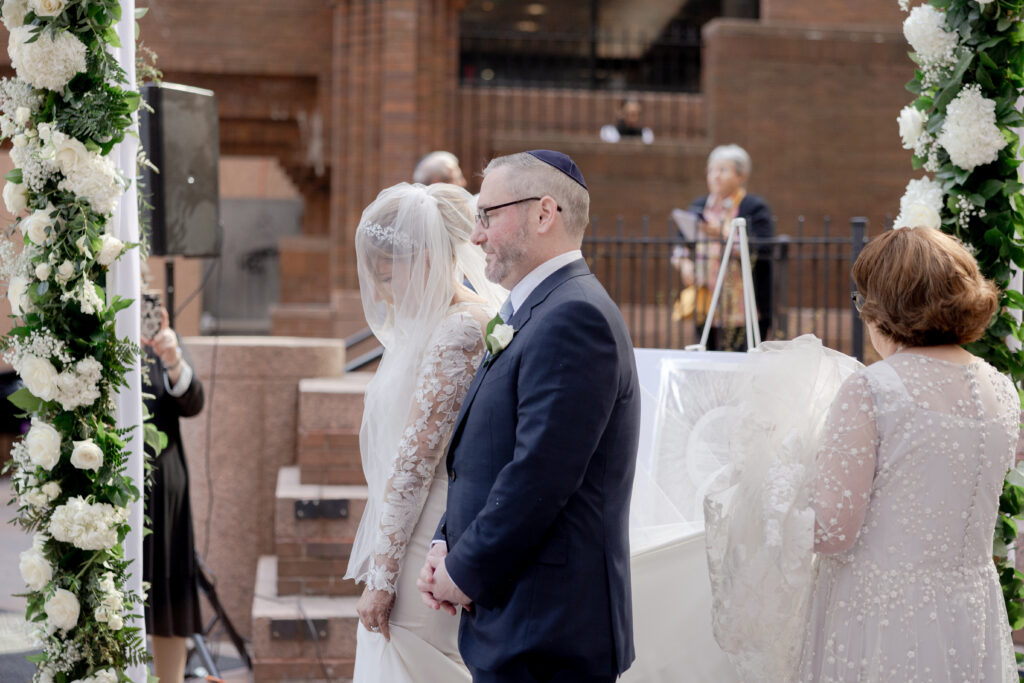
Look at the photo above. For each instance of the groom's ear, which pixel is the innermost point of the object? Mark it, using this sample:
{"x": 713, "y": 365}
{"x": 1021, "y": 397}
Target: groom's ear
{"x": 547, "y": 215}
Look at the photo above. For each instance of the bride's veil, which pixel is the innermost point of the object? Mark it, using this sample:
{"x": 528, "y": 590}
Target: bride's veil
{"x": 412, "y": 252}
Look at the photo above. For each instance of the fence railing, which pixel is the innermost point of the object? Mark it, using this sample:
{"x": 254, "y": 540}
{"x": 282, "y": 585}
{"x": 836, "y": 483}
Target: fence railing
{"x": 810, "y": 283}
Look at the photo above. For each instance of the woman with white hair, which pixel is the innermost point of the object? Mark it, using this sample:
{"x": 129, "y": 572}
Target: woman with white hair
{"x": 414, "y": 259}
{"x": 728, "y": 171}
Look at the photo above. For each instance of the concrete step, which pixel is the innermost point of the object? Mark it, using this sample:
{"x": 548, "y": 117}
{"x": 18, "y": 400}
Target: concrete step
{"x": 330, "y": 413}
{"x": 314, "y": 528}
{"x": 300, "y": 638}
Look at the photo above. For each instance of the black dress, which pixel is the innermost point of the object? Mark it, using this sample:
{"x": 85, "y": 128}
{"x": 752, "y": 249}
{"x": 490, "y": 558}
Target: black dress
{"x": 168, "y": 554}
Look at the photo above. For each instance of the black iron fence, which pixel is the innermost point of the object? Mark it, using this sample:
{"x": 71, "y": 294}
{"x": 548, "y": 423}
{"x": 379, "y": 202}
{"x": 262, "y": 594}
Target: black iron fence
{"x": 810, "y": 282}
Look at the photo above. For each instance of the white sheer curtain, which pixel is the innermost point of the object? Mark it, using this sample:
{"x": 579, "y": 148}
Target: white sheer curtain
{"x": 123, "y": 280}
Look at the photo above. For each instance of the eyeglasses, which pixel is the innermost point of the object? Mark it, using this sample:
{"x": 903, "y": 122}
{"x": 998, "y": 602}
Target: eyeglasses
{"x": 858, "y": 300}
{"x": 484, "y": 219}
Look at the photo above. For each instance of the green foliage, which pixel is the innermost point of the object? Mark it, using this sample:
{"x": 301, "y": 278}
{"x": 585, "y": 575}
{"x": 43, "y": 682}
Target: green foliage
{"x": 991, "y": 55}
{"x": 96, "y": 109}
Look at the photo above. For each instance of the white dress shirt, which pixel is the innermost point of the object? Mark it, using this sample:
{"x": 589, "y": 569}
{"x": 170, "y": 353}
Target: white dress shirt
{"x": 524, "y": 288}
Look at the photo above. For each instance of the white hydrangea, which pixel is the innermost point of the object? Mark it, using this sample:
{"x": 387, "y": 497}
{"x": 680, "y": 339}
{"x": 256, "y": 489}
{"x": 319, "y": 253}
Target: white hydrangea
{"x": 80, "y": 385}
{"x": 14, "y": 13}
{"x": 89, "y": 526}
{"x": 970, "y": 134}
{"x": 925, "y": 30}
{"x": 49, "y": 62}
{"x": 98, "y": 182}
{"x": 924, "y": 192}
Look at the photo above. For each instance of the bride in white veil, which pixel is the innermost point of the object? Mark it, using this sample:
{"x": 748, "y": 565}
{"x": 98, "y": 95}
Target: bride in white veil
{"x": 427, "y": 300}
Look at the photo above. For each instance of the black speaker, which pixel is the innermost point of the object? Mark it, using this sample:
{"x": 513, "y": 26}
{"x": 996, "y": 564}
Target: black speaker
{"x": 180, "y": 137}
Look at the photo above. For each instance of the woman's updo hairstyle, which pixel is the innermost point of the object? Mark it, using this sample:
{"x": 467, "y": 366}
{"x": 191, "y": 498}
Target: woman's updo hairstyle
{"x": 921, "y": 287}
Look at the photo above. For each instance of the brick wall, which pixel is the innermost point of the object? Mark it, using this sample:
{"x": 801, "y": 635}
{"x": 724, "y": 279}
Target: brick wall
{"x": 816, "y": 108}
{"x": 832, "y": 12}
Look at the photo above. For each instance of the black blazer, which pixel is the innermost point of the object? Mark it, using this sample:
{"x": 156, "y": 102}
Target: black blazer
{"x": 541, "y": 467}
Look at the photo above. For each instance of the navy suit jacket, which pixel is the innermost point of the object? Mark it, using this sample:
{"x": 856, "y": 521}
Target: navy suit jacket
{"x": 540, "y": 470}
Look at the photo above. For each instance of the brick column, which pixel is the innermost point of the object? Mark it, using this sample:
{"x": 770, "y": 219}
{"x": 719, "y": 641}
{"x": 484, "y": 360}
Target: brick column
{"x": 394, "y": 76}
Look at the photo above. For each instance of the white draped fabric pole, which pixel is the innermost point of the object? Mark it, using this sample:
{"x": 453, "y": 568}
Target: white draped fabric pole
{"x": 1017, "y": 277}
{"x": 123, "y": 280}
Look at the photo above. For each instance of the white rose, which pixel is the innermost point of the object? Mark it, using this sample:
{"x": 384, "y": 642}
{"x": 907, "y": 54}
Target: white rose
{"x": 43, "y": 272}
{"x": 115, "y": 622}
{"x": 911, "y": 122}
{"x": 110, "y": 250}
{"x": 45, "y": 132}
{"x": 15, "y": 197}
{"x": 35, "y": 569}
{"x": 920, "y": 215}
{"x": 51, "y": 489}
{"x": 40, "y": 377}
{"x": 86, "y": 455}
{"x": 20, "y": 140}
{"x": 62, "y": 609}
{"x": 38, "y": 226}
{"x": 43, "y": 443}
{"x": 22, "y": 115}
{"x": 68, "y": 153}
{"x": 65, "y": 271}
{"x": 47, "y": 8}
{"x": 17, "y": 293}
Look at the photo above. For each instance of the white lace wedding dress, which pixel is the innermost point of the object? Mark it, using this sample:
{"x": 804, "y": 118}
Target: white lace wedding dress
{"x": 403, "y": 511}
{"x": 897, "y": 486}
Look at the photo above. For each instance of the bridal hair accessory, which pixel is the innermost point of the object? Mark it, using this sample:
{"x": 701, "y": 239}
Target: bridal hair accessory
{"x": 388, "y": 234}
{"x": 560, "y": 161}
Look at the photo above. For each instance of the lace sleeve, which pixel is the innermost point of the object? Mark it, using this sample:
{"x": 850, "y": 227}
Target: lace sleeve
{"x": 445, "y": 375}
{"x": 846, "y": 467}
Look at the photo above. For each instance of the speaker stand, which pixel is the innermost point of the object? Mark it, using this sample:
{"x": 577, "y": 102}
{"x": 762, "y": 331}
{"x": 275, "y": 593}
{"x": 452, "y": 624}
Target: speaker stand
{"x": 169, "y": 289}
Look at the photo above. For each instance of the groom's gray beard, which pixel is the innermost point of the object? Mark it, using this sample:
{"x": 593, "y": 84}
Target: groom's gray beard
{"x": 510, "y": 255}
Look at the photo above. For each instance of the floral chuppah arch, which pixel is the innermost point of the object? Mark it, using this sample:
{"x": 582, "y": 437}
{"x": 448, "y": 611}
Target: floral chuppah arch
{"x": 969, "y": 84}
{"x": 66, "y": 112}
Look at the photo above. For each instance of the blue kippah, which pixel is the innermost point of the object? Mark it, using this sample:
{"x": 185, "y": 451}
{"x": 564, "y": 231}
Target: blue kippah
{"x": 560, "y": 161}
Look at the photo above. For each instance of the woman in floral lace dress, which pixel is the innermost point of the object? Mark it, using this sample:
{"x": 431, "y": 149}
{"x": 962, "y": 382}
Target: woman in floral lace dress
{"x": 414, "y": 260}
{"x": 909, "y": 480}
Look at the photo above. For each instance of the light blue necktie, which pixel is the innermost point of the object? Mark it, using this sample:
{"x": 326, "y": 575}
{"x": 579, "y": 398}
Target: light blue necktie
{"x": 506, "y": 310}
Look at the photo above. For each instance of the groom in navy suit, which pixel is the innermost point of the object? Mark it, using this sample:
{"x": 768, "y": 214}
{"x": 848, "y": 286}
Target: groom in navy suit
{"x": 535, "y": 540}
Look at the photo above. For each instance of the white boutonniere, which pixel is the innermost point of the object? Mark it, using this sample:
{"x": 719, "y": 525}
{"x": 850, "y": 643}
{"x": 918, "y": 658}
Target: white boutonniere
{"x": 499, "y": 335}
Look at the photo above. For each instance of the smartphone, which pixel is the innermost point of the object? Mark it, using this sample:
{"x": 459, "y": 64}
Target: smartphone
{"x": 151, "y": 321}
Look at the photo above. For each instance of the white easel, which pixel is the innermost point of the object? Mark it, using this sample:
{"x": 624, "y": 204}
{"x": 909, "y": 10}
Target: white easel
{"x": 737, "y": 225}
